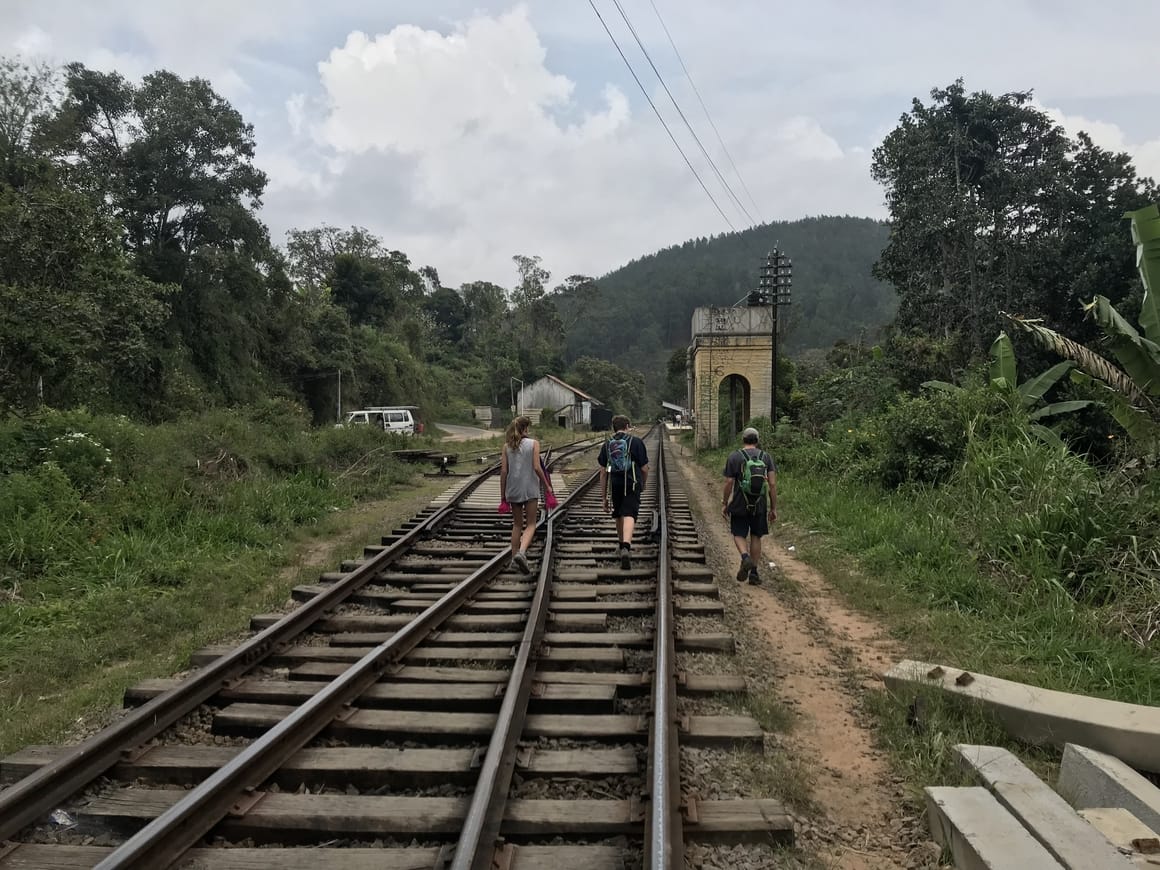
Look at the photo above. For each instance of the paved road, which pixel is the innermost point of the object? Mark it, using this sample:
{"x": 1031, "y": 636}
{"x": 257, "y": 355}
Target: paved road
{"x": 465, "y": 433}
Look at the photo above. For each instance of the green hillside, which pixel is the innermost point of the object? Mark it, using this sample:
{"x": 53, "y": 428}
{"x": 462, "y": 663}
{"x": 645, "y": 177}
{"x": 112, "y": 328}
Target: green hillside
{"x": 646, "y": 306}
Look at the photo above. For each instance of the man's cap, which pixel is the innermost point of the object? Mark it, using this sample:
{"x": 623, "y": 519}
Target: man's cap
{"x": 750, "y": 435}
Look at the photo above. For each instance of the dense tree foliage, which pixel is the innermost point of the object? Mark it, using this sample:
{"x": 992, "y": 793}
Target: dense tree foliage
{"x": 136, "y": 275}
{"x": 643, "y": 310}
{"x": 994, "y": 208}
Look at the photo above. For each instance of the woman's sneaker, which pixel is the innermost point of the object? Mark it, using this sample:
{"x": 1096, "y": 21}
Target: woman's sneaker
{"x": 521, "y": 561}
{"x": 625, "y": 558}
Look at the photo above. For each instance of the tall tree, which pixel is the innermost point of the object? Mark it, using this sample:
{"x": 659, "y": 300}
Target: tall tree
{"x": 987, "y": 195}
{"x": 311, "y": 254}
{"x": 28, "y": 98}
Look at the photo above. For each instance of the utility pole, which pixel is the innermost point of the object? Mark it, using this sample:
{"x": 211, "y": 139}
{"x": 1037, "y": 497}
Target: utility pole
{"x": 339, "y": 420}
{"x": 773, "y": 289}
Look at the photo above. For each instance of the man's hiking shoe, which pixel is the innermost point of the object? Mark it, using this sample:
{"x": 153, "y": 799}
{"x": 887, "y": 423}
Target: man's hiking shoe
{"x": 744, "y": 570}
{"x": 625, "y": 559}
{"x": 521, "y": 562}
{"x": 754, "y": 577}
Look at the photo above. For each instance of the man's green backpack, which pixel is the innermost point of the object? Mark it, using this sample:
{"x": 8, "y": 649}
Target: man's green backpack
{"x": 754, "y": 482}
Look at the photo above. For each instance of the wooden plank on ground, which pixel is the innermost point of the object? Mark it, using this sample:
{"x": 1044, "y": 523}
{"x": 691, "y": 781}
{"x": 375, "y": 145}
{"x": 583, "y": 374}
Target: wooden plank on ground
{"x": 418, "y": 725}
{"x": 1046, "y": 816}
{"x": 360, "y": 766}
{"x": 626, "y": 684}
{"x": 740, "y": 821}
{"x": 385, "y": 622}
{"x": 701, "y": 731}
{"x": 417, "y": 696}
{"x": 40, "y": 857}
{"x": 708, "y": 684}
{"x": 634, "y": 639}
{"x": 722, "y": 731}
{"x": 595, "y": 658}
{"x": 1130, "y": 732}
{"x": 980, "y": 833}
{"x": 291, "y": 818}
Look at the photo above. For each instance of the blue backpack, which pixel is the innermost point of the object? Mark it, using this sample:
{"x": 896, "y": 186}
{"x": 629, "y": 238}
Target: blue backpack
{"x": 620, "y": 456}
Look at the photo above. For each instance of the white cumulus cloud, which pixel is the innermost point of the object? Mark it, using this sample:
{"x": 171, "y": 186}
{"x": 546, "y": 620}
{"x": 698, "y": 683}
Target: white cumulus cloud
{"x": 1145, "y": 155}
{"x": 472, "y": 131}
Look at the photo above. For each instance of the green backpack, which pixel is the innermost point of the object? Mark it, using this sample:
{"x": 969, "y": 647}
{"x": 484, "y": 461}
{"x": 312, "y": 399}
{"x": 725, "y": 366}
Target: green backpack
{"x": 754, "y": 482}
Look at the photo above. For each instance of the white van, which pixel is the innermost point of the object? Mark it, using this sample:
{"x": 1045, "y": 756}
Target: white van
{"x": 399, "y": 420}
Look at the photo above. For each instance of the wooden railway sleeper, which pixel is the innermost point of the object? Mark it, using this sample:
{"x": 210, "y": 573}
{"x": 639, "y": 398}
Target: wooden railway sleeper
{"x": 503, "y": 856}
{"x": 246, "y": 802}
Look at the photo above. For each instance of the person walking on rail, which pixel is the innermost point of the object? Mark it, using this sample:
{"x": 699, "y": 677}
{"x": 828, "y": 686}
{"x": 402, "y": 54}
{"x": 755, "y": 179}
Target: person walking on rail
{"x": 520, "y": 476}
{"x": 749, "y": 501}
{"x": 623, "y": 471}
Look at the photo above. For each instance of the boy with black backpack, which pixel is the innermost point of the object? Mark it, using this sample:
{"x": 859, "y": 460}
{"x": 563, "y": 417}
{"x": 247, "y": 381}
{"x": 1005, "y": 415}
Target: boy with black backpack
{"x": 749, "y": 500}
{"x": 623, "y": 472}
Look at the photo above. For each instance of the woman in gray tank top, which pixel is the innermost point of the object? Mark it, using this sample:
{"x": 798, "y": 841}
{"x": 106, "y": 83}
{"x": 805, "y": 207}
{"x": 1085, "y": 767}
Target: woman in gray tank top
{"x": 520, "y": 477}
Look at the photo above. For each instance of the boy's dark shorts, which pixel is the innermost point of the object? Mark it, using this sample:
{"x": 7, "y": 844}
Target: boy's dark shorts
{"x": 625, "y": 504}
{"x": 745, "y": 524}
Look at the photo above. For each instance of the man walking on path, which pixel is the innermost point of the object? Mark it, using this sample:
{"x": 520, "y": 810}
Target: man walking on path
{"x": 749, "y": 500}
{"x": 623, "y": 472}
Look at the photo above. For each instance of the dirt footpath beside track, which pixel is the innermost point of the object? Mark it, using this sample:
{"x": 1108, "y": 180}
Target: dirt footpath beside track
{"x": 818, "y": 657}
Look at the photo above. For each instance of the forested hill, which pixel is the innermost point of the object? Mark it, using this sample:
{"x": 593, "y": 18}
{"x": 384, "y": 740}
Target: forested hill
{"x": 646, "y": 306}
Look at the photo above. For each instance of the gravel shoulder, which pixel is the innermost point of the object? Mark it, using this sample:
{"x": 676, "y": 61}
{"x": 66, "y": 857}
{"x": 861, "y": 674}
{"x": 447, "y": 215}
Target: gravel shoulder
{"x": 812, "y": 659}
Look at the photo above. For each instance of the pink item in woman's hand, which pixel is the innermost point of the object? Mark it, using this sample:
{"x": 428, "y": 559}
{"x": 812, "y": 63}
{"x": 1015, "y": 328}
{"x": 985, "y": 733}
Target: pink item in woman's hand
{"x": 550, "y": 500}
{"x": 505, "y": 508}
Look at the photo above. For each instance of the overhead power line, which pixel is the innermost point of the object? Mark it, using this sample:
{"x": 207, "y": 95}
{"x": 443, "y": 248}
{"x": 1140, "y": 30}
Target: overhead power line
{"x": 705, "y": 108}
{"x": 676, "y": 105}
{"x": 660, "y": 118}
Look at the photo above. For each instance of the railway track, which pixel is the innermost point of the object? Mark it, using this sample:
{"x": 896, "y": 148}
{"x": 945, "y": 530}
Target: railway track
{"x": 425, "y": 707}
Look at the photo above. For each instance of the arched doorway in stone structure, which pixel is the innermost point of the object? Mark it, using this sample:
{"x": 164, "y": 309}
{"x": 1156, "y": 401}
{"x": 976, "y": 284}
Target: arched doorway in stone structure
{"x": 733, "y": 404}
{"x": 729, "y": 370}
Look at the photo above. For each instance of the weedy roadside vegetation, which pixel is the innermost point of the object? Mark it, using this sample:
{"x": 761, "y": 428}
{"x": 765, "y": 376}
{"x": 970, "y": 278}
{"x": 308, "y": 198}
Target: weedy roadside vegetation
{"x": 121, "y": 542}
{"x": 980, "y": 546}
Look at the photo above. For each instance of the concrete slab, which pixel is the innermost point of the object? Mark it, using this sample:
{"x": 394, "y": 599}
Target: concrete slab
{"x": 1122, "y": 828}
{"x": 1093, "y": 779}
{"x": 980, "y": 834}
{"x": 1130, "y": 732}
{"x": 1046, "y": 816}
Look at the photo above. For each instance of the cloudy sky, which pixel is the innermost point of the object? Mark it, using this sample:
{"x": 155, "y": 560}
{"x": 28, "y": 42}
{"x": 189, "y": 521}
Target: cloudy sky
{"x": 465, "y": 132}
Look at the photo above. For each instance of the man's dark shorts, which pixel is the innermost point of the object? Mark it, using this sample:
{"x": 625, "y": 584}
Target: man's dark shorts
{"x": 745, "y": 524}
{"x": 625, "y": 504}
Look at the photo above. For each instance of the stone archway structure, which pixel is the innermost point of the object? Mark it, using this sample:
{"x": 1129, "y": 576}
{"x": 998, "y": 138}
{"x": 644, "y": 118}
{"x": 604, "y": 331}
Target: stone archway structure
{"x": 728, "y": 342}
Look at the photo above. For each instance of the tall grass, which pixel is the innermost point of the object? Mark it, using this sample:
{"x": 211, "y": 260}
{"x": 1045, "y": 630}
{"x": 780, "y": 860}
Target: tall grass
{"x": 1004, "y": 555}
{"x": 114, "y": 536}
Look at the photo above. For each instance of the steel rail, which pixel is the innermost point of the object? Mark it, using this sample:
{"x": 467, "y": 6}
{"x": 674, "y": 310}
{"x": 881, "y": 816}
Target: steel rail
{"x": 481, "y": 826}
{"x": 664, "y": 837}
{"x": 165, "y": 839}
{"x": 39, "y": 793}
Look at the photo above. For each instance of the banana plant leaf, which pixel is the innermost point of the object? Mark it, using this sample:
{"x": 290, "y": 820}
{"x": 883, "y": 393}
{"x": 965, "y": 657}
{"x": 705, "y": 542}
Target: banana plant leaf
{"x": 1060, "y": 408}
{"x": 1003, "y": 360}
{"x": 943, "y": 386}
{"x": 1047, "y": 436}
{"x": 1032, "y": 390}
{"x": 1135, "y": 421}
{"x": 1146, "y": 235}
{"x": 1139, "y": 356}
